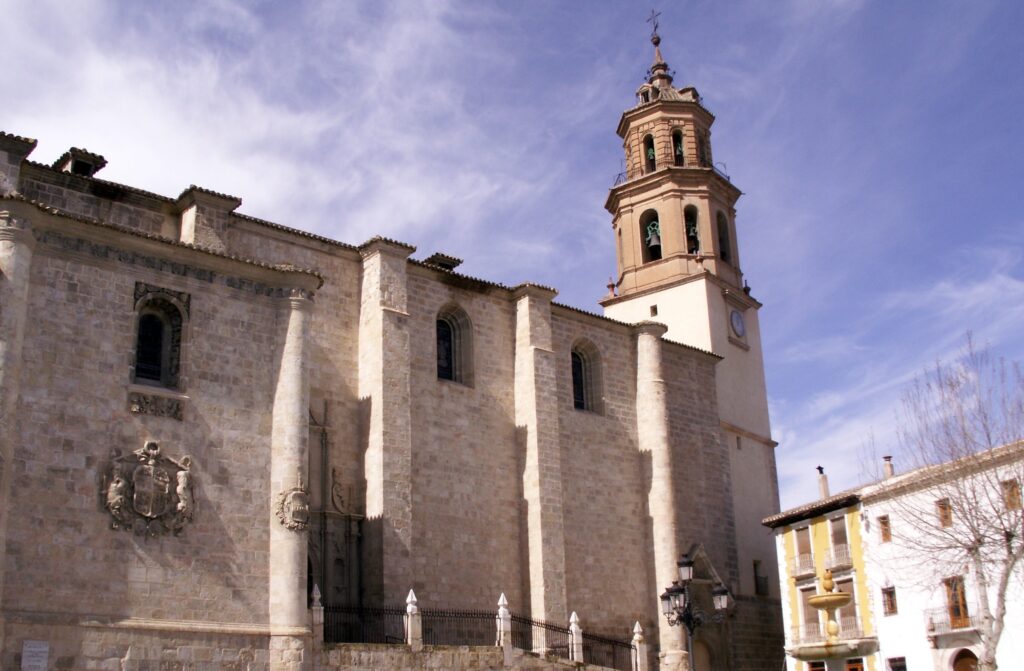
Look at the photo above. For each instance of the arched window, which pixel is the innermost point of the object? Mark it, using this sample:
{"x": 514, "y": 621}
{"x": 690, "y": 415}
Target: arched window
{"x": 702, "y": 150}
{"x": 724, "y": 248}
{"x": 454, "y": 345}
{"x": 650, "y": 158}
{"x": 677, "y": 147}
{"x": 650, "y": 236}
{"x": 692, "y": 232}
{"x": 158, "y": 341}
{"x": 586, "y": 376}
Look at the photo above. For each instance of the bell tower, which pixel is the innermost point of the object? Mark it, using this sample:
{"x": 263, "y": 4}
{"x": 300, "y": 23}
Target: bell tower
{"x": 678, "y": 262}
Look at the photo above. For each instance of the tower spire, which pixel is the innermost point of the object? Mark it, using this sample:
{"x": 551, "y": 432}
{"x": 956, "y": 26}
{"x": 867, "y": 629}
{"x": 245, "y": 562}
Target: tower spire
{"x": 659, "y": 68}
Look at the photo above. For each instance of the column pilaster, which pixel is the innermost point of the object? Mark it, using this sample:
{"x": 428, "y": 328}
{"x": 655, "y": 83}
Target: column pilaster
{"x": 653, "y": 438}
{"x": 384, "y": 389}
{"x": 16, "y": 247}
{"x": 537, "y": 408}
{"x": 289, "y": 516}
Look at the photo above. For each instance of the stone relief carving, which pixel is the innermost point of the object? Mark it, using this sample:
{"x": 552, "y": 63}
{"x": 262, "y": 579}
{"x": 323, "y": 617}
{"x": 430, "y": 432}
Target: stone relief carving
{"x": 293, "y": 508}
{"x": 160, "y": 406}
{"x": 337, "y": 491}
{"x": 147, "y": 492}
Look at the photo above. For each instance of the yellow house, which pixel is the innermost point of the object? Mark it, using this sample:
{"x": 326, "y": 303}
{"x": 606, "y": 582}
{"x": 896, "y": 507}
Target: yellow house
{"x": 825, "y": 535}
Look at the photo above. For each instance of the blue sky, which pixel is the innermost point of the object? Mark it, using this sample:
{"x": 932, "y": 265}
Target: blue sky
{"x": 878, "y": 145}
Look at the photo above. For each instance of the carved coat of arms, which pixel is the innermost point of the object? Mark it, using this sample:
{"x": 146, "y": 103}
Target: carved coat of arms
{"x": 147, "y": 492}
{"x": 293, "y": 508}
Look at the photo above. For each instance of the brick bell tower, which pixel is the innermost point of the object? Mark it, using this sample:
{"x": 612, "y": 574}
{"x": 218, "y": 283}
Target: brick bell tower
{"x": 678, "y": 260}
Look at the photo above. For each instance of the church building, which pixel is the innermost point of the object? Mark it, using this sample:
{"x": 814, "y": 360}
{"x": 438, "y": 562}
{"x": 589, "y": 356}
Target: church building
{"x": 205, "y": 417}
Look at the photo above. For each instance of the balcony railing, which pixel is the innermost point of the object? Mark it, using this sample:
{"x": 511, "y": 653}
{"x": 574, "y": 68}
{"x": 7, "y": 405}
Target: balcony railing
{"x": 839, "y": 557}
{"x": 802, "y": 564}
{"x": 812, "y": 633}
{"x": 941, "y": 621}
{"x": 635, "y": 173}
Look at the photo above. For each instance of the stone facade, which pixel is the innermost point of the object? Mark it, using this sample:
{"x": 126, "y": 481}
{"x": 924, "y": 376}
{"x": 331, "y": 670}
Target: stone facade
{"x": 305, "y": 436}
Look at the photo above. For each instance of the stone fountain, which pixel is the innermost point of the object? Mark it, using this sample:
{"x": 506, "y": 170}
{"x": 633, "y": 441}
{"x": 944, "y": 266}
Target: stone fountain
{"x": 833, "y": 651}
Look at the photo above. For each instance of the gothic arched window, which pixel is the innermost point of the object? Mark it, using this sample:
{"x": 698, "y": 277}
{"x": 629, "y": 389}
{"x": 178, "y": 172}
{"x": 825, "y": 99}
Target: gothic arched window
{"x": 650, "y": 158}
{"x": 650, "y": 236}
{"x": 692, "y": 232}
{"x": 158, "y": 341}
{"x": 586, "y": 376}
{"x": 677, "y": 147}
{"x": 454, "y": 345}
{"x": 724, "y": 246}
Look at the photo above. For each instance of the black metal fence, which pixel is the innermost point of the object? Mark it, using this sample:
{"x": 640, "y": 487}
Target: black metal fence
{"x": 458, "y": 627}
{"x": 608, "y": 652}
{"x": 541, "y": 637}
{"x": 355, "y": 624}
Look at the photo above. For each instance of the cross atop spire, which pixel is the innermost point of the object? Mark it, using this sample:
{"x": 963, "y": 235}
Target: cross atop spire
{"x": 653, "y": 20}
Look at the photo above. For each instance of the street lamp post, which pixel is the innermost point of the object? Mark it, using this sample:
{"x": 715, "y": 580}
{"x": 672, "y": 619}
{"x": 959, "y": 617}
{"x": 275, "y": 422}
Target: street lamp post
{"x": 679, "y": 608}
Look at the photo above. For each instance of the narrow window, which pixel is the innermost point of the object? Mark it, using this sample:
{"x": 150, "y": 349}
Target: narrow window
{"x": 677, "y": 147}
{"x": 811, "y": 627}
{"x": 897, "y": 663}
{"x": 650, "y": 236}
{"x": 848, "y": 623}
{"x": 645, "y": 97}
{"x": 149, "y": 350}
{"x": 579, "y": 389}
{"x": 884, "y": 528}
{"x": 945, "y": 513}
{"x": 840, "y": 548}
{"x": 158, "y": 336}
{"x": 618, "y": 248}
{"x": 586, "y": 376}
{"x": 889, "y": 606}
{"x": 855, "y": 664}
{"x": 650, "y": 159}
{"x": 815, "y": 666}
{"x": 654, "y": 310}
{"x": 692, "y": 234}
{"x": 956, "y": 602}
{"x": 760, "y": 579}
{"x": 445, "y": 350}
{"x": 804, "y": 559}
{"x": 724, "y": 248}
{"x": 1011, "y": 494}
{"x": 454, "y": 345}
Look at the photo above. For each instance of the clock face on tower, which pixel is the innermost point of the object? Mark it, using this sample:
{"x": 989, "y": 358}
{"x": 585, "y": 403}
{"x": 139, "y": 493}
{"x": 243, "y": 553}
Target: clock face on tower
{"x": 736, "y": 321}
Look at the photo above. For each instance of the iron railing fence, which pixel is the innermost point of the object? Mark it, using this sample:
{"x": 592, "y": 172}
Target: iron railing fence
{"x": 608, "y": 652}
{"x": 357, "y": 624}
{"x": 458, "y": 627}
{"x": 946, "y": 620}
{"x": 635, "y": 173}
{"x": 541, "y": 637}
{"x": 839, "y": 557}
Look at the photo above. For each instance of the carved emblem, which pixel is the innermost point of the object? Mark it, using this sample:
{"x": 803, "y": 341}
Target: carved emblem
{"x": 293, "y": 508}
{"x": 147, "y": 492}
{"x": 159, "y": 406}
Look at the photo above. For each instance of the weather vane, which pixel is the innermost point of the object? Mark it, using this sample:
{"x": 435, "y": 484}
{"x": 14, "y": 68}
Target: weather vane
{"x": 653, "y": 20}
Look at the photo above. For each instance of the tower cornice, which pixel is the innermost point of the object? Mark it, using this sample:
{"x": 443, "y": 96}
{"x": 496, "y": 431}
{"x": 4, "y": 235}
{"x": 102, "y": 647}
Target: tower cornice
{"x": 694, "y": 176}
{"x": 692, "y": 107}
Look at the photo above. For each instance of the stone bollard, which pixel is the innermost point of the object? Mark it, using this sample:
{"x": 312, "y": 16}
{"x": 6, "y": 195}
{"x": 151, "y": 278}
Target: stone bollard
{"x": 316, "y": 612}
{"x": 575, "y": 639}
{"x": 504, "y": 625}
{"x": 640, "y": 659}
{"x": 413, "y": 623}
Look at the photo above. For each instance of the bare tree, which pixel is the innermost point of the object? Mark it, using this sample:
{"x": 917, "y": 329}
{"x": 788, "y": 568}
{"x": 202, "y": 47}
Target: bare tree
{"x": 959, "y": 509}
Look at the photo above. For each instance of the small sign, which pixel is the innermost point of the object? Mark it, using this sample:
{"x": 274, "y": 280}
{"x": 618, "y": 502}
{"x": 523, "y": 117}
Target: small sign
{"x": 35, "y": 655}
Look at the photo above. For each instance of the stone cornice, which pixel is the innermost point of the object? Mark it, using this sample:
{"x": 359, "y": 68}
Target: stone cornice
{"x": 536, "y": 291}
{"x": 99, "y": 240}
{"x": 382, "y": 245}
{"x": 196, "y": 195}
{"x": 699, "y": 176}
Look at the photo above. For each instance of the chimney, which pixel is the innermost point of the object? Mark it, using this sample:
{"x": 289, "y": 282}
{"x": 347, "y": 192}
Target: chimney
{"x": 887, "y": 467}
{"x": 822, "y": 483}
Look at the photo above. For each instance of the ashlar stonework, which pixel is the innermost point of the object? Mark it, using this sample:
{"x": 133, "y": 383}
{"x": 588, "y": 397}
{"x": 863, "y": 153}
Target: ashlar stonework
{"x": 203, "y": 415}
